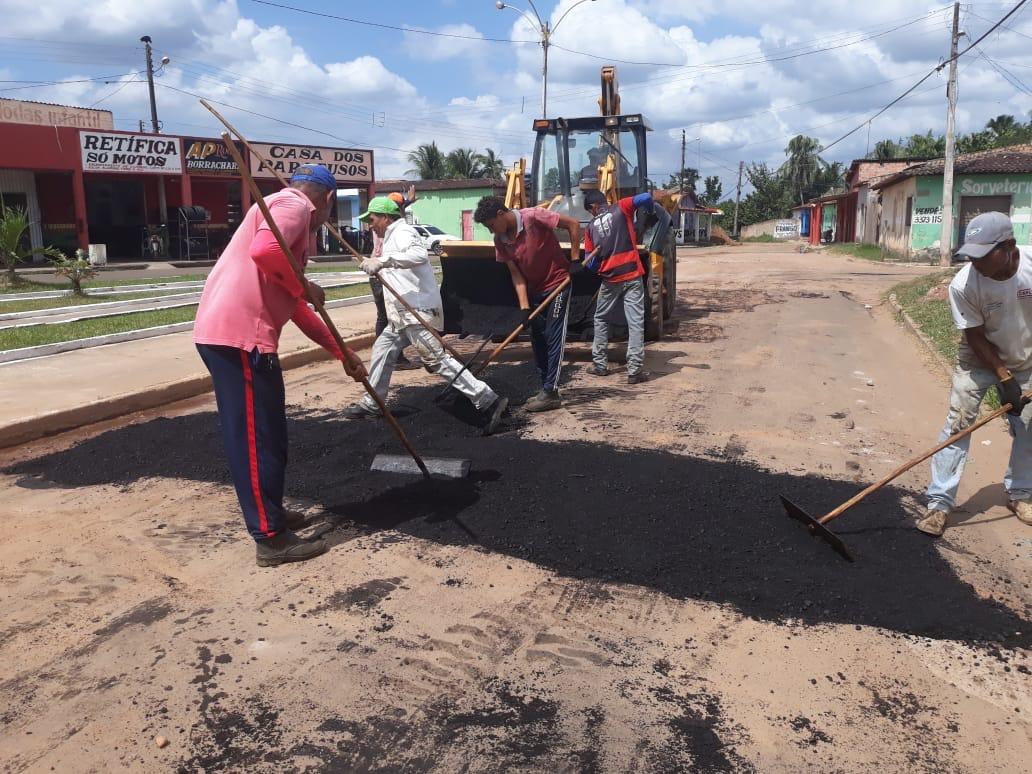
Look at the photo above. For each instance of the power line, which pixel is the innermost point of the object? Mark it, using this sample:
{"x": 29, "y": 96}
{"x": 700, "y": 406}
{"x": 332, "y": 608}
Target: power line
{"x": 933, "y": 71}
{"x": 40, "y": 84}
{"x": 108, "y": 96}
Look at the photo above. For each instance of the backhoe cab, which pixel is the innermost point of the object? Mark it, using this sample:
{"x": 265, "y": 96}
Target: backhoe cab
{"x": 571, "y": 156}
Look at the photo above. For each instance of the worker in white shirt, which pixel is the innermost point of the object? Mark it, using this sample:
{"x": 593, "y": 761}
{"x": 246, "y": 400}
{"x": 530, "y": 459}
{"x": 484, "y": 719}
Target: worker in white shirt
{"x": 405, "y": 265}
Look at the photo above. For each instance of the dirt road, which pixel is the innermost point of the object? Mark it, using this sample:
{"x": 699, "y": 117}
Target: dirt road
{"x": 615, "y": 588}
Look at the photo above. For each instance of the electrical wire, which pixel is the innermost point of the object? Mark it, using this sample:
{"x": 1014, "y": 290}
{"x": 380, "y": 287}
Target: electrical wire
{"x": 930, "y": 73}
{"x": 108, "y": 96}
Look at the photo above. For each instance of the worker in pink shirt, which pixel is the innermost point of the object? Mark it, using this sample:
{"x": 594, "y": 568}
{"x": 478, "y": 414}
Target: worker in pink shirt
{"x": 249, "y": 296}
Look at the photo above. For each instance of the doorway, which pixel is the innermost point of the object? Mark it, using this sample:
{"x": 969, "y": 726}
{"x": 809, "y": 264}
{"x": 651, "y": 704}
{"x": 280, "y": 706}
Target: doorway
{"x": 971, "y": 206}
{"x": 116, "y": 215}
{"x": 467, "y": 225}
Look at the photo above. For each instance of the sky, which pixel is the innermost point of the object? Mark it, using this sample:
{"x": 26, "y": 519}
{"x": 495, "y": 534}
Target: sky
{"x": 740, "y": 78}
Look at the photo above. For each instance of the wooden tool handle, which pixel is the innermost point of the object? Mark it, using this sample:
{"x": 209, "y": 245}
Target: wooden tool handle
{"x": 299, "y": 273}
{"x": 519, "y": 328}
{"x": 335, "y": 232}
{"x": 916, "y": 461}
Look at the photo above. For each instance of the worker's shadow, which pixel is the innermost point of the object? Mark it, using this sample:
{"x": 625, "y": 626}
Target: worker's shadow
{"x": 971, "y": 512}
{"x": 434, "y": 501}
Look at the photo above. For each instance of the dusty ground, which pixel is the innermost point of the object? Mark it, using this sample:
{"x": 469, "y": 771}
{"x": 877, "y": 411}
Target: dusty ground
{"x": 615, "y": 589}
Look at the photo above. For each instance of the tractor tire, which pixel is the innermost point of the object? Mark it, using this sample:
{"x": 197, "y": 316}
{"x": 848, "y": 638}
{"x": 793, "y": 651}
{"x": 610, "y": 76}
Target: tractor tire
{"x": 669, "y": 278}
{"x": 653, "y": 308}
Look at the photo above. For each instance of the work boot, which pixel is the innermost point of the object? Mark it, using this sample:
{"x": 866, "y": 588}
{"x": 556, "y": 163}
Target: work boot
{"x": 359, "y": 411}
{"x": 934, "y": 522}
{"x": 404, "y": 364}
{"x": 544, "y": 401}
{"x": 638, "y": 377}
{"x": 286, "y": 547}
{"x": 494, "y": 414}
{"x": 1022, "y": 509}
{"x": 597, "y": 370}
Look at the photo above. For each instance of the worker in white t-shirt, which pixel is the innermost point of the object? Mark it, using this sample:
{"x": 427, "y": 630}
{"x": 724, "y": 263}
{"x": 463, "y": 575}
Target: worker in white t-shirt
{"x": 991, "y": 301}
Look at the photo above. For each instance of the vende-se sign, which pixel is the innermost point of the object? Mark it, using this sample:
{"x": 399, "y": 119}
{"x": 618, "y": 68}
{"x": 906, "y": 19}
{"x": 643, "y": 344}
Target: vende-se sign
{"x": 786, "y": 229}
{"x": 149, "y": 153}
{"x": 355, "y": 166}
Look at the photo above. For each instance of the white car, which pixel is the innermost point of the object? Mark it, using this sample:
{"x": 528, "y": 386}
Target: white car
{"x": 433, "y": 237}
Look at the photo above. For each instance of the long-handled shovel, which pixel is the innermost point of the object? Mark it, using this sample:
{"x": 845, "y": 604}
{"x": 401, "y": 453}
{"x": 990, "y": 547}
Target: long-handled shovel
{"x": 817, "y": 526}
{"x": 333, "y": 230}
{"x": 450, "y": 468}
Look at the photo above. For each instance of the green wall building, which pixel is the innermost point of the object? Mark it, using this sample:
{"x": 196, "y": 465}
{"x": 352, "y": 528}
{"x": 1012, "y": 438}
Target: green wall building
{"x": 911, "y": 201}
{"x": 447, "y": 204}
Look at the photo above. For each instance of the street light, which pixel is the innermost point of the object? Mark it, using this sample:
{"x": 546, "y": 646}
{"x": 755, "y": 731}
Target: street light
{"x": 545, "y": 31}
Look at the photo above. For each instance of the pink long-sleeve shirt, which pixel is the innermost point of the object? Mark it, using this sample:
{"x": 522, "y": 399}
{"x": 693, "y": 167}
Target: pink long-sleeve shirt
{"x": 252, "y": 291}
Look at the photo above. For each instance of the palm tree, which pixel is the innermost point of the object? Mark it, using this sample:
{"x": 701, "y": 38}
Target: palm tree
{"x": 463, "y": 164}
{"x": 428, "y": 162}
{"x": 803, "y": 164}
{"x": 1003, "y": 126}
{"x": 492, "y": 166}
{"x": 887, "y": 149}
{"x": 14, "y": 222}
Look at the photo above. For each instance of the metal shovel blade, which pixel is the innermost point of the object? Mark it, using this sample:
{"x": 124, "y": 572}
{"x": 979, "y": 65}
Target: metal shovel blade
{"x": 816, "y": 528}
{"x": 438, "y": 466}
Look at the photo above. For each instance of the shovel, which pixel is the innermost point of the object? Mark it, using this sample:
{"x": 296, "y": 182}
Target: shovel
{"x": 817, "y": 526}
{"x": 442, "y": 467}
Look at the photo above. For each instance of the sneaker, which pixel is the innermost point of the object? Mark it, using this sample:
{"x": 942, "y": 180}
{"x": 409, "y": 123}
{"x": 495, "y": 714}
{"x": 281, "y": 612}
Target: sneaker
{"x": 286, "y": 547}
{"x": 1022, "y": 509}
{"x": 596, "y": 370}
{"x": 934, "y": 522}
{"x": 544, "y": 401}
{"x": 638, "y": 377}
{"x": 494, "y": 414}
{"x": 358, "y": 411}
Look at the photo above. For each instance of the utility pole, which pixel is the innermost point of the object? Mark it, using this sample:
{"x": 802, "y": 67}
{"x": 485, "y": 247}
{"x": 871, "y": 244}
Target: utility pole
{"x": 681, "y": 175}
{"x": 738, "y": 195}
{"x": 946, "y": 235}
{"x": 162, "y": 204}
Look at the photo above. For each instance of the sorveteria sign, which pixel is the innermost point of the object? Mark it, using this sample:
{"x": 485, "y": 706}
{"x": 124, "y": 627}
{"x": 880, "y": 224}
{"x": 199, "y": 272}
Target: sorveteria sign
{"x": 969, "y": 187}
{"x": 346, "y": 164}
{"x": 149, "y": 153}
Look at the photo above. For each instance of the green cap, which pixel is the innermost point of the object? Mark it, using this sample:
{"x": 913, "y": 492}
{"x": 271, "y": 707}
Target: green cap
{"x": 381, "y": 205}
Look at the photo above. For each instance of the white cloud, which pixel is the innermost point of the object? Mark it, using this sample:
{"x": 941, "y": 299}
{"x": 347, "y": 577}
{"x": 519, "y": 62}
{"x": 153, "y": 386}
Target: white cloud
{"x": 468, "y": 42}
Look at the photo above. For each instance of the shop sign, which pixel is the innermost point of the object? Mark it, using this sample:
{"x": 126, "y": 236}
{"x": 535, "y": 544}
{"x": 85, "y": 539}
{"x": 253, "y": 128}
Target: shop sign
{"x": 786, "y": 229}
{"x": 354, "y": 166}
{"x": 927, "y": 215}
{"x": 14, "y": 111}
{"x": 969, "y": 187}
{"x": 205, "y": 156}
{"x": 152, "y": 154}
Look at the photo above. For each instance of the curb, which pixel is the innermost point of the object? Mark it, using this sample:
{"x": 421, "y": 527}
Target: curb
{"x": 53, "y": 422}
{"x": 944, "y": 365}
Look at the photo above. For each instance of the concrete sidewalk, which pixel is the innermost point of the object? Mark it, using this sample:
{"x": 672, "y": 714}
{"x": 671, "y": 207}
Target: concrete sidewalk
{"x": 60, "y": 392}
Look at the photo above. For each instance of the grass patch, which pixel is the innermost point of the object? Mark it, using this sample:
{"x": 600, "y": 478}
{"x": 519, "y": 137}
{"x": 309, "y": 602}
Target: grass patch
{"x": 761, "y": 238}
{"x": 36, "y": 335}
{"x": 62, "y": 301}
{"x": 867, "y": 252}
{"x": 30, "y": 286}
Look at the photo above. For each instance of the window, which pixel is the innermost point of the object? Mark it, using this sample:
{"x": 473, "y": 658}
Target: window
{"x": 910, "y": 212}
{"x": 433, "y": 229}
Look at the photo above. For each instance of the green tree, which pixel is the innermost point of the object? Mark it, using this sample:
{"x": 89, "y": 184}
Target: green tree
{"x": 14, "y": 223}
{"x": 463, "y": 164}
{"x": 803, "y": 165}
{"x": 428, "y": 162}
{"x": 491, "y": 165}
{"x": 77, "y": 270}
{"x": 690, "y": 177}
{"x": 925, "y": 146}
{"x": 887, "y": 149}
{"x": 772, "y": 195}
{"x": 714, "y": 190}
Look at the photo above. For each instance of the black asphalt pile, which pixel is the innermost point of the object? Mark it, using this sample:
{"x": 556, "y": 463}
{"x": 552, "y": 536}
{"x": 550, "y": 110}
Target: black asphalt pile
{"x": 689, "y": 527}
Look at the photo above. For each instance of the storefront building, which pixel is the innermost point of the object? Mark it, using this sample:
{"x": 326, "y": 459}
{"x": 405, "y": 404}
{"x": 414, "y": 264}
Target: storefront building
{"x": 88, "y": 184}
{"x": 911, "y": 201}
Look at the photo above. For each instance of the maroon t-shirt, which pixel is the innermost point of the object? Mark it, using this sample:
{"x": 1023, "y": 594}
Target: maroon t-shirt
{"x": 536, "y": 251}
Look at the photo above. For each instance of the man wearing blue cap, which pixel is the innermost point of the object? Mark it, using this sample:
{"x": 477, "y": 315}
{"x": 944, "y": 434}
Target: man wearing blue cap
{"x": 249, "y": 296}
{"x": 405, "y": 265}
{"x": 991, "y": 301}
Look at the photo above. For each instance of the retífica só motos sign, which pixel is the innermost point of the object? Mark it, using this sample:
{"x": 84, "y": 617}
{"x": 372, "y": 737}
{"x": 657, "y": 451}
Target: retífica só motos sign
{"x": 148, "y": 153}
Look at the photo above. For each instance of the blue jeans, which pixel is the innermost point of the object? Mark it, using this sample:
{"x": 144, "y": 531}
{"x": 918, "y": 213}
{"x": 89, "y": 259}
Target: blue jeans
{"x": 969, "y": 387}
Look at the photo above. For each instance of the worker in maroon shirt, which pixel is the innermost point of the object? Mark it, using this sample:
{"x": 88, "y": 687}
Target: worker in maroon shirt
{"x": 526, "y": 243}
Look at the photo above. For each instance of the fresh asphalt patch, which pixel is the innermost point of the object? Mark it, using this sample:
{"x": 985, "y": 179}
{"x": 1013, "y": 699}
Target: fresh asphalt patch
{"x": 689, "y": 527}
